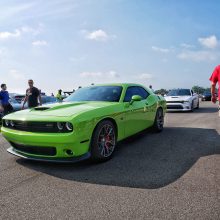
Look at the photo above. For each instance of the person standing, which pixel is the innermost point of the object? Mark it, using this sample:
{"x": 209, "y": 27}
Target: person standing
{"x": 59, "y": 95}
{"x": 151, "y": 88}
{"x": 5, "y": 106}
{"x": 215, "y": 78}
{"x": 33, "y": 96}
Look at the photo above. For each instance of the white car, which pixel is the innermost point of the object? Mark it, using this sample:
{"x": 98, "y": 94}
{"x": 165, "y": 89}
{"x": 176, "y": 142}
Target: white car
{"x": 182, "y": 100}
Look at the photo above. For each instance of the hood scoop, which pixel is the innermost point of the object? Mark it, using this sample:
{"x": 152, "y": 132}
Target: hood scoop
{"x": 41, "y": 108}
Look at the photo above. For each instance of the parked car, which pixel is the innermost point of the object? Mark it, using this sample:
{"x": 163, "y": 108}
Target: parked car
{"x": 15, "y": 104}
{"x": 88, "y": 124}
{"x": 18, "y": 97}
{"x": 182, "y": 100}
{"x": 48, "y": 99}
{"x": 206, "y": 96}
{"x": 18, "y": 105}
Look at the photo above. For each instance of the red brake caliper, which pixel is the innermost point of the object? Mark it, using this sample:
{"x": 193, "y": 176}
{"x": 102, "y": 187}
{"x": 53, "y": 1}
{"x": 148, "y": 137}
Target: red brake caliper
{"x": 107, "y": 140}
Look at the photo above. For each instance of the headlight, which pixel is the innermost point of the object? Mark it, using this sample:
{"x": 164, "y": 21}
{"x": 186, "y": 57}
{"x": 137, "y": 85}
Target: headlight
{"x": 60, "y": 125}
{"x": 7, "y": 123}
{"x": 186, "y": 102}
{"x": 69, "y": 126}
{"x": 12, "y": 123}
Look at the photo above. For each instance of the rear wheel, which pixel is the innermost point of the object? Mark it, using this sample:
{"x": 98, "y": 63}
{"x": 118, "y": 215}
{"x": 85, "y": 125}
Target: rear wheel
{"x": 103, "y": 141}
{"x": 159, "y": 121}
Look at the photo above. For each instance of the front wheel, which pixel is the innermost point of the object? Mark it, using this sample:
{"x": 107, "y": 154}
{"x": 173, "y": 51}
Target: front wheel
{"x": 103, "y": 141}
{"x": 192, "y": 107}
{"x": 159, "y": 121}
{"x": 197, "y": 107}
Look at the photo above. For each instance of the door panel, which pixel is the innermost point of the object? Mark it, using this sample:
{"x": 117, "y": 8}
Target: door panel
{"x": 135, "y": 118}
{"x": 139, "y": 114}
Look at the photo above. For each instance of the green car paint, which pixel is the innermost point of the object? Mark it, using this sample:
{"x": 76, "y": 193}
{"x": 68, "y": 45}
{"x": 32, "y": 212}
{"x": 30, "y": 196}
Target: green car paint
{"x": 129, "y": 118}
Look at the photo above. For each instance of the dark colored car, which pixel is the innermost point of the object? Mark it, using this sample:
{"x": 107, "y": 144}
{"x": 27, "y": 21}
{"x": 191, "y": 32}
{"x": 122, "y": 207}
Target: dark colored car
{"x": 206, "y": 96}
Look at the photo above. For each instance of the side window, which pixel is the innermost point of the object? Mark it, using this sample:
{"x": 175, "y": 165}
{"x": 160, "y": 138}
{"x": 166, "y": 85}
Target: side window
{"x": 135, "y": 90}
{"x": 143, "y": 93}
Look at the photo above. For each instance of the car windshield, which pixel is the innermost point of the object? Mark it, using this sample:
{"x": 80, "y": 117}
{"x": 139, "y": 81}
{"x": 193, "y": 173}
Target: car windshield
{"x": 207, "y": 93}
{"x": 96, "y": 93}
{"x": 13, "y": 101}
{"x": 179, "y": 92}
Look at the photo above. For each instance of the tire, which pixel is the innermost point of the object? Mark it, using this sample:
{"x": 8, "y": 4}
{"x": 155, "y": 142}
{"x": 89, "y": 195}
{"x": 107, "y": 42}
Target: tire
{"x": 103, "y": 142}
{"x": 158, "y": 121}
{"x": 192, "y": 107}
{"x": 197, "y": 107}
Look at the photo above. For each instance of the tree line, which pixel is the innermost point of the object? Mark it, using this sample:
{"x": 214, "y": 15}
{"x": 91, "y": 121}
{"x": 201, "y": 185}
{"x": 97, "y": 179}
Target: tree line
{"x": 196, "y": 89}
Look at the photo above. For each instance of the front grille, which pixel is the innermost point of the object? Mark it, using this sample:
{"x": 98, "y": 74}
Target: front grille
{"x": 174, "y": 107}
{"x": 45, "y": 127}
{"x": 175, "y": 101}
{"x": 43, "y": 151}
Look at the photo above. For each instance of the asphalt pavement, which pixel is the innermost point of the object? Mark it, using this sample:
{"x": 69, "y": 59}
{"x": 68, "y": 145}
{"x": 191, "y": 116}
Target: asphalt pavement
{"x": 171, "y": 175}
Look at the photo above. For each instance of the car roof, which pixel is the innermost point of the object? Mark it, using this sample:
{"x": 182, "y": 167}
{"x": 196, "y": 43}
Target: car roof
{"x": 118, "y": 84}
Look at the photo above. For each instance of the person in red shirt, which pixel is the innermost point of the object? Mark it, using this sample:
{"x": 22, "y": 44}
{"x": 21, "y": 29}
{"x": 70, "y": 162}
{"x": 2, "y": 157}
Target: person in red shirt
{"x": 215, "y": 78}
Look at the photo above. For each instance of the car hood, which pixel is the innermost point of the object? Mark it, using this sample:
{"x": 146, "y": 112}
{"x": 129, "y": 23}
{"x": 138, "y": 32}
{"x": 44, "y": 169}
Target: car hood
{"x": 64, "y": 109}
{"x": 177, "y": 98}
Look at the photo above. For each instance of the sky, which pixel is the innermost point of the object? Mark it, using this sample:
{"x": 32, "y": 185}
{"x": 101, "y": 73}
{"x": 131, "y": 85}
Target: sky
{"x": 70, "y": 43}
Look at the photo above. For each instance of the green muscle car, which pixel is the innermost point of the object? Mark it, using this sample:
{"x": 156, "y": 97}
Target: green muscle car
{"x": 88, "y": 124}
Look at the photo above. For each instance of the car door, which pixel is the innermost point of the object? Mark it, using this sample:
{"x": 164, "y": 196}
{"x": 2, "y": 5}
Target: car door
{"x": 194, "y": 99}
{"x": 136, "y": 113}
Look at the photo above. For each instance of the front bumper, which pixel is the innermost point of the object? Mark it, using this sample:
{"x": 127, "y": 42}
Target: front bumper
{"x": 85, "y": 156}
{"x": 172, "y": 107}
{"x": 36, "y": 143}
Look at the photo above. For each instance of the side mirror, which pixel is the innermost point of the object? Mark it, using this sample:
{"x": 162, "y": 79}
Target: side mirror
{"x": 135, "y": 98}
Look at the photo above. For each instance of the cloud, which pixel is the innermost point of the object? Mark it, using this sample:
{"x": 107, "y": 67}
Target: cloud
{"x": 40, "y": 43}
{"x": 15, "y": 75}
{"x": 209, "y": 42}
{"x": 97, "y": 35}
{"x": 109, "y": 74}
{"x": 112, "y": 74}
{"x": 91, "y": 74}
{"x": 187, "y": 46}
{"x": 33, "y": 31}
{"x": 7, "y": 35}
{"x": 144, "y": 76}
{"x": 161, "y": 50}
{"x": 199, "y": 56}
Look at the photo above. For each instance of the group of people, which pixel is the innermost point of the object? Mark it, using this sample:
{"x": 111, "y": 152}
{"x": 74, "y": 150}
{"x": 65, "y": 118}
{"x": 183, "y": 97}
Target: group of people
{"x": 33, "y": 95}
{"x": 32, "y": 98}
